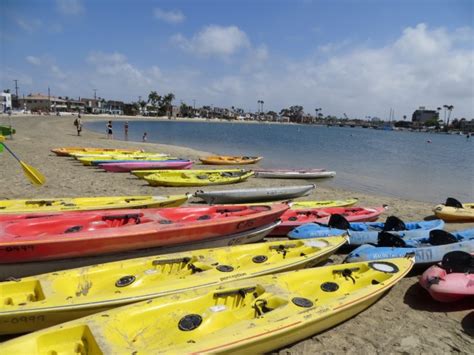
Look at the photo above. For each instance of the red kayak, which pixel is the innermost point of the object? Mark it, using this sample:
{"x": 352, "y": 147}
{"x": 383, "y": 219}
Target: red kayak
{"x": 294, "y": 218}
{"x": 100, "y": 232}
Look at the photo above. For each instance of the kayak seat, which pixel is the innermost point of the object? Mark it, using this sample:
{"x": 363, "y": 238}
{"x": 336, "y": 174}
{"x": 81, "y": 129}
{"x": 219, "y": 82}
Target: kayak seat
{"x": 441, "y": 237}
{"x": 386, "y": 239}
{"x": 339, "y": 222}
{"x": 452, "y": 202}
{"x": 394, "y": 223}
{"x": 458, "y": 261}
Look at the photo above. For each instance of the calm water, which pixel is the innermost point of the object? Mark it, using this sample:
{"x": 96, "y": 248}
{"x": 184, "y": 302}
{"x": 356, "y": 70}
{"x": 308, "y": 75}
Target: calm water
{"x": 389, "y": 163}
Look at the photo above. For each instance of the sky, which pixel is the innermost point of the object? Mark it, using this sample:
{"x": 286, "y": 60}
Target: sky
{"x": 361, "y": 58}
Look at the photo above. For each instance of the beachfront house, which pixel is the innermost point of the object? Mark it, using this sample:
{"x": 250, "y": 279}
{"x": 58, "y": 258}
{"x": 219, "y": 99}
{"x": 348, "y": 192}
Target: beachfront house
{"x": 43, "y": 103}
{"x": 114, "y": 107}
{"x": 6, "y": 102}
{"x": 421, "y": 116}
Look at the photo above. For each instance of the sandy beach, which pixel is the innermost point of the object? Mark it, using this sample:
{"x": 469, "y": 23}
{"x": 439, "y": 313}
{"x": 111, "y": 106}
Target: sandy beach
{"x": 406, "y": 320}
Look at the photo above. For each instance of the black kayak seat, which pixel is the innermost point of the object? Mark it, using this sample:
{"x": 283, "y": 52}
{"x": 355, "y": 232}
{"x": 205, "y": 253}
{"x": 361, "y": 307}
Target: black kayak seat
{"x": 339, "y": 222}
{"x": 452, "y": 202}
{"x": 394, "y": 223}
{"x": 386, "y": 239}
{"x": 458, "y": 261}
{"x": 441, "y": 237}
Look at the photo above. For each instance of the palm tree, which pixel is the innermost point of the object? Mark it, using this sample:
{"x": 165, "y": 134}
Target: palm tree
{"x": 450, "y": 109}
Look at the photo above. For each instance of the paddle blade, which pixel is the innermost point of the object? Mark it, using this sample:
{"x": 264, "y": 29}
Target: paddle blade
{"x": 32, "y": 174}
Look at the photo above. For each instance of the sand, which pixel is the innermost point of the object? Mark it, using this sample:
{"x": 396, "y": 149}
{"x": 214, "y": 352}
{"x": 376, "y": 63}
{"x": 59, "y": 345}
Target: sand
{"x": 406, "y": 320}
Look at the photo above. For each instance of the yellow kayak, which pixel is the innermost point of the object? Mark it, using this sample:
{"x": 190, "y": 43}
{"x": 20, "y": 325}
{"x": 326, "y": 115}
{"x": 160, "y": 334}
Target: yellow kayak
{"x": 93, "y": 159}
{"x": 89, "y": 203}
{"x": 67, "y": 151}
{"x": 65, "y": 295}
{"x": 455, "y": 211}
{"x": 251, "y": 316}
{"x": 229, "y": 160}
{"x": 197, "y": 177}
{"x": 322, "y": 204}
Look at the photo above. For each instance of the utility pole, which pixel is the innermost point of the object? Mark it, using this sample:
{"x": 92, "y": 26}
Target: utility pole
{"x": 194, "y": 104}
{"x": 16, "y": 87}
{"x": 95, "y": 94}
{"x": 49, "y": 99}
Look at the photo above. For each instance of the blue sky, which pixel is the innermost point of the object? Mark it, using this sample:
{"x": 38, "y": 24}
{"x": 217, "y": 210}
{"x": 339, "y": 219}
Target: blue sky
{"x": 356, "y": 57}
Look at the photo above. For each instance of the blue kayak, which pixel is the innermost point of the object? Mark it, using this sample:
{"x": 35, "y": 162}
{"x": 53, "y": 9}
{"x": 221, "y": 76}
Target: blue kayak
{"x": 367, "y": 233}
{"x": 426, "y": 250}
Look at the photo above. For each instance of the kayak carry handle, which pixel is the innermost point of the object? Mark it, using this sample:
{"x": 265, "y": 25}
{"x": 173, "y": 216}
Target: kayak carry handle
{"x": 172, "y": 261}
{"x": 238, "y": 291}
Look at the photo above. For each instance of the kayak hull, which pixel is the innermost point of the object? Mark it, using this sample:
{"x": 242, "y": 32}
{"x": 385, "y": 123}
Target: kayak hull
{"x": 254, "y": 194}
{"x": 126, "y": 167}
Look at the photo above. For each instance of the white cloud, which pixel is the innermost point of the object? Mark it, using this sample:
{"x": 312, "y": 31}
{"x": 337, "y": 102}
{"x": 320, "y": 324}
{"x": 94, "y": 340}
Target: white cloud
{"x": 29, "y": 25}
{"x": 33, "y": 60}
{"x": 70, "y": 7}
{"x": 172, "y": 16}
{"x": 57, "y": 72}
{"x": 214, "y": 40}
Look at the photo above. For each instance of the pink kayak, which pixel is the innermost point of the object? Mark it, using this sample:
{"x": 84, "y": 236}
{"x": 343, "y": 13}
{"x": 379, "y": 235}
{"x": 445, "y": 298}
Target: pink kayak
{"x": 451, "y": 280}
{"x": 145, "y": 165}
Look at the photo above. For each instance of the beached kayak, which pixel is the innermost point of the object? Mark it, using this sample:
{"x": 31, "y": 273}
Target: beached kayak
{"x": 102, "y": 232}
{"x": 197, "y": 177}
{"x": 229, "y": 160}
{"x": 452, "y": 279}
{"x": 7, "y": 130}
{"x": 50, "y": 300}
{"x": 96, "y": 160}
{"x": 295, "y": 174}
{"x": 68, "y": 151}
{"x": 324, "y": 203}
{"x": 258, "y": 194}
{"x": 89, "y": 203}
{"x": 251, "y": 316}
{"x": 455, "y": 211}
{"x": 144, "y": 165}
{"x": 426, "y": 250}
{"x": 295, "y": 218}
{"x": 367, "y": 233}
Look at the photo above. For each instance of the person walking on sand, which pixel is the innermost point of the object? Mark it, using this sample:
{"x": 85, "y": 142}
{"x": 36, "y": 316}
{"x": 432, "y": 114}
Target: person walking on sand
{"x": 125, "y": 129}
{"x": 110, "y": 133}
{"x": 78, "y": 124}
{"x": 144, "y": 137}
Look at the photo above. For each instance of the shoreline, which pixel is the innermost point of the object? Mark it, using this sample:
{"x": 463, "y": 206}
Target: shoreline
{"x": 406, "y": 320}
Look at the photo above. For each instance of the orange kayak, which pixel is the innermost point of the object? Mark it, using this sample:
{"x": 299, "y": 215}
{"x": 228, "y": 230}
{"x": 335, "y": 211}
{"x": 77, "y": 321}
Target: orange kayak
{"x": 229, "y": 160}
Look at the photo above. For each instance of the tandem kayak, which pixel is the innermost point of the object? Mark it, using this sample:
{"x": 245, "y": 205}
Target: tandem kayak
{"x": 254, "y": 194}
{"x": 295, "y": 218}
{"x": 126, "y": 167}
{"x": 197, "y": 177}
{"x": 8, "y": 207}
{"x": 149, "y": 277}
{"x": 367, "y": 233}
{"x": 251, "y": 316}
{"x": 101, "y": 232}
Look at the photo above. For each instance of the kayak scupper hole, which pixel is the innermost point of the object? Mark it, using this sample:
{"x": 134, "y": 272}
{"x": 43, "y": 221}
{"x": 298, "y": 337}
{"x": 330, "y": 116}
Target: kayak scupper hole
{"x": 302, "y": 302}
{"x": 258, "y": 259}
{"x": 73, "y": 229}
{"x": 375, "y": 282}
{"x": 204, "y": 217}
{"x": 329, "y": 286}
{"x": 225, "y": 268}
{"x": 189, "y": 322}
{"x": 125, "y": 281}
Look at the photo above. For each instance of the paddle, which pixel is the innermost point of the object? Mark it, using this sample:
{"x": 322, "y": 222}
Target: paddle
{"x": 31, "y": 173}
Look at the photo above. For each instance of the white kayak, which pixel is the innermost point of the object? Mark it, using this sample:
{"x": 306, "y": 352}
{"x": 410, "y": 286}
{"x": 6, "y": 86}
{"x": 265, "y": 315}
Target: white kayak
{"x": 294, "y": 174}
{"x": 255, "y": 194}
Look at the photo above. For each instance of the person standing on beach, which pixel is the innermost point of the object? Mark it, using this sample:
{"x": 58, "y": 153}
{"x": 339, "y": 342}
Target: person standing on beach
{"x": 125, "y": 129}
{"x": 144, "y": 138}
{"x": 110, "y": 133}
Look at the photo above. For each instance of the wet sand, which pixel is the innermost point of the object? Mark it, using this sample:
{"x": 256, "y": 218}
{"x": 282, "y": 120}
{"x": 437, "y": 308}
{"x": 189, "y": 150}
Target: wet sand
{"x": 406, "y": 320}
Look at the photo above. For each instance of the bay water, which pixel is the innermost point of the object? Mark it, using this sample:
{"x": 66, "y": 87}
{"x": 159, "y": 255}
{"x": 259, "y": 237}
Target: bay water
{"x": 419, "y": 166}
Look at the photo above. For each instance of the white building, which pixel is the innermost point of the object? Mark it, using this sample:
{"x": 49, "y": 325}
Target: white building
{"x": 6, "y": 101}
